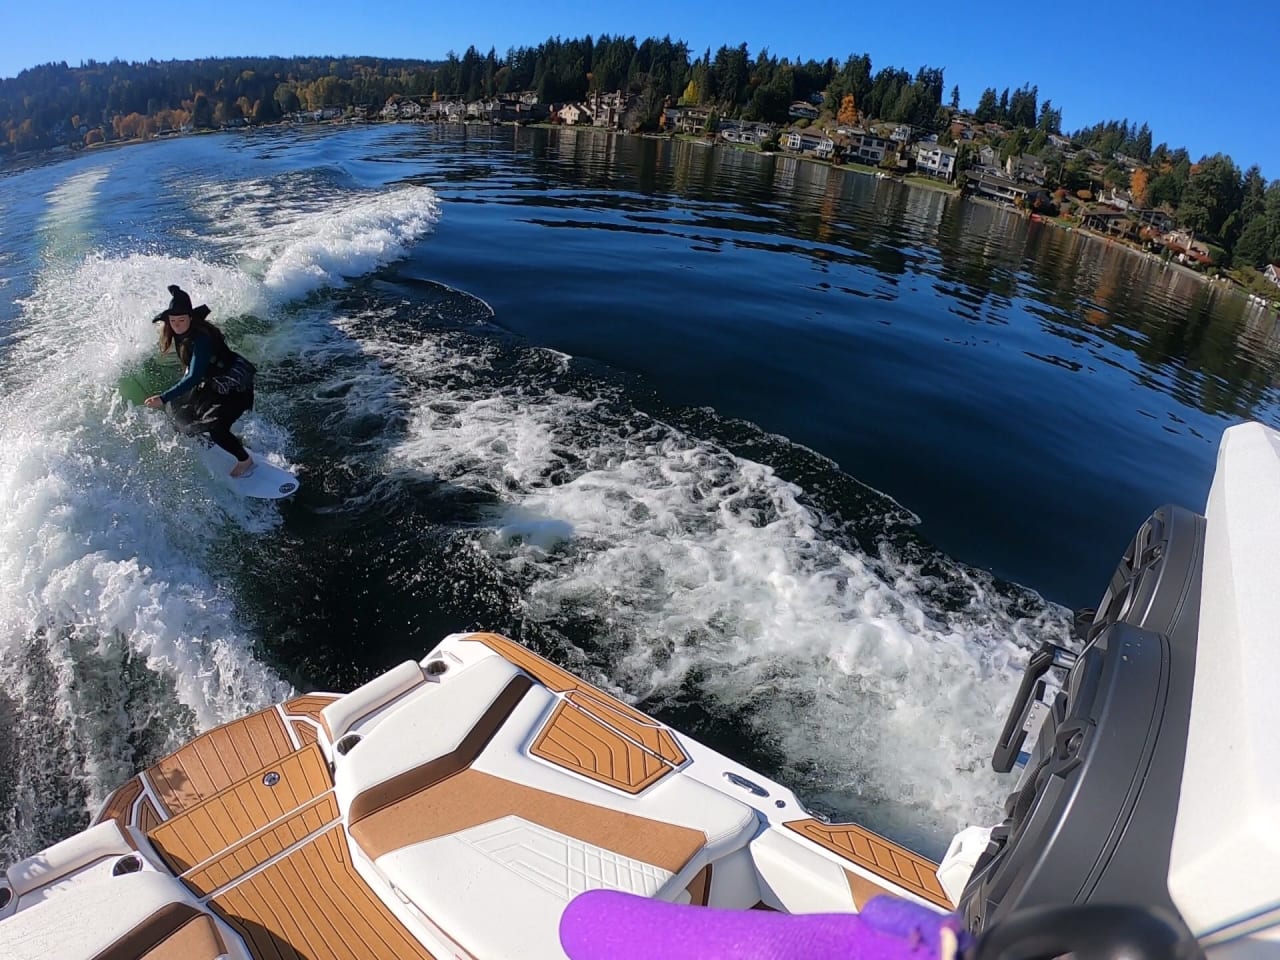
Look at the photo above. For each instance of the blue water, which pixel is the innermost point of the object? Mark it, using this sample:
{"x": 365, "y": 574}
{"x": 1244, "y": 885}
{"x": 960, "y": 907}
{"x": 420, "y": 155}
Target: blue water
{"x": 802, "y": 461}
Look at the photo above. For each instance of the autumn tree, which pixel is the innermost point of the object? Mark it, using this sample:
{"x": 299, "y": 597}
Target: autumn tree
{"x": 691, "y": 96}
{"x": 1138, "y": 186}
{"x": 848, "y": 110}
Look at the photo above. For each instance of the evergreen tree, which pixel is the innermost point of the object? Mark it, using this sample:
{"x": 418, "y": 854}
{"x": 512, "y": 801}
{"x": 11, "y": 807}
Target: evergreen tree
{"x": 988, "y": 107}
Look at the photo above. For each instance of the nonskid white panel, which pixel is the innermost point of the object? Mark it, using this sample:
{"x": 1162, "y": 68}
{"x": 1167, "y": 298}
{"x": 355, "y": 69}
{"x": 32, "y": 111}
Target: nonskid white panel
{"x": 562, "y": 865}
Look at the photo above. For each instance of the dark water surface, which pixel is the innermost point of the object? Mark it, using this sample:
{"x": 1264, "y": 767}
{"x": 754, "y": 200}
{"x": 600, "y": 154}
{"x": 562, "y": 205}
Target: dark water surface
{"x": 802, "y": 461}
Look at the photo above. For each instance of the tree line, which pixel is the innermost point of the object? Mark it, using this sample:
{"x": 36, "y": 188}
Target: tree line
{"x": 54, "y": 103}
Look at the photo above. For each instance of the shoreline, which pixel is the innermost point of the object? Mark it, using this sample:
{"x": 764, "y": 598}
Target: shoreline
{"x": 911, "y": 181}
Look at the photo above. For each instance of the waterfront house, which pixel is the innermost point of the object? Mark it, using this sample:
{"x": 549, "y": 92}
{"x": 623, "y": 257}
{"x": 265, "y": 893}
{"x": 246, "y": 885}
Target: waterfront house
{"x": 936, "y": 161}
{"x": 401, "y": 108}
{"x": 802, "y": 141}
{"x": 867, "y": 148}
{"x": 692, "y": 119}
{"x": 572, "y": 114}
{"x": 992, "y": 187}
{"x": 735, "y": 131}
{"x": 1106, "y": 220}
{"x": 484, "y": 109}
{"x": 1158, "y": 220}
{"x": 902, "y": 133}
{"x": 1272, "y": 273}
{"x": 1184, "y": 241}
{"x": 607, "y": 109}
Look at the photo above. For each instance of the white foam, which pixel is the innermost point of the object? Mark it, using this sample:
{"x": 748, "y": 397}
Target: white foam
{"x": 301, "y": 241}
{"x": 705, "y": 568}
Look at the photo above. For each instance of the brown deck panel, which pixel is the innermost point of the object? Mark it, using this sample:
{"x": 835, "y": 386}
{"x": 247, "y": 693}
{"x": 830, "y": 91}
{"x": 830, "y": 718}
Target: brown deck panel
{"x": 249, "y": 805}
{"x": 561, "y": 681}
{"x": 648, "y": 732}
{"x": 304, "y": 731}
{"x": 310, "y": 705}
{"x": 177, "y": 931}
{"x": 700, "y": 887}
{"x": 198, "y": 939}
{"x": 873, "y": 852}
{"x": 312, "y": 905}
{"x": 862, "y": 889}
{"x": 246, "y": 855}
{"x": 119, "y": 806}
{"x": 148, "y": 819}
{"x": 215, "y": 760}
{"x": 579, "y": 741}
{"x": 471, "y": 798}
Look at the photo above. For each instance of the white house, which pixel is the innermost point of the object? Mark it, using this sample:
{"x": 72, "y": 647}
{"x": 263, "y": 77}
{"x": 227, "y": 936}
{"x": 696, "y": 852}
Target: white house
{"x": 1120, "y": 199}
{"x": 398, "y": 108}
{"x": 802, "y": 141}
{"x": 936, "y": 160}
{"x": 1272, "y": 273}
{"x": 574, "y": 113}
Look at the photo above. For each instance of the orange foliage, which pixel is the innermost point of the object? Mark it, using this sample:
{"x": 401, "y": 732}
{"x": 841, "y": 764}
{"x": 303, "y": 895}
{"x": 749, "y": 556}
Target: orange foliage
{"x": 848, "y": 110}
{"x": 133, "y": 127}
{"x": 1138, "y": 186}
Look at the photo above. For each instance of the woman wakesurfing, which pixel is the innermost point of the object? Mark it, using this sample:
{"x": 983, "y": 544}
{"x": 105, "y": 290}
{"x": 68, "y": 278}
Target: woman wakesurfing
{"x": 218, "y": 384}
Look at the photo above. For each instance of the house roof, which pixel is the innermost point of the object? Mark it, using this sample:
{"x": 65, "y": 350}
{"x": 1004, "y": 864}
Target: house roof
{"x": 1109, "y": 213}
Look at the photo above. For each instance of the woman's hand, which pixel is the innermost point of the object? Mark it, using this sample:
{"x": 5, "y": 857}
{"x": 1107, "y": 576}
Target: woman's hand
{"x": 155, "y": 403}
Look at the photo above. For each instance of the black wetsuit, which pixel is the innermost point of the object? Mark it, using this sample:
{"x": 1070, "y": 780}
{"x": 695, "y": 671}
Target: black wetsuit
{"x": 216, "y": 390}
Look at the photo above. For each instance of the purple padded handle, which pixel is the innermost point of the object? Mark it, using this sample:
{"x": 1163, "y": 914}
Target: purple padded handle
{"x": 608, "y": 925}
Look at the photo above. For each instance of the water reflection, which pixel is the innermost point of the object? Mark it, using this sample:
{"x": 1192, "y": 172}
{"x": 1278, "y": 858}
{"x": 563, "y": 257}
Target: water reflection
{"x": 1208, "y": 346}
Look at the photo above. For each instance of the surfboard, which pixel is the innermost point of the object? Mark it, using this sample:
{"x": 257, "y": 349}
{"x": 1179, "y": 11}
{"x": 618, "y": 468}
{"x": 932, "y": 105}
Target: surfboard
{"x": 265, "y": 481}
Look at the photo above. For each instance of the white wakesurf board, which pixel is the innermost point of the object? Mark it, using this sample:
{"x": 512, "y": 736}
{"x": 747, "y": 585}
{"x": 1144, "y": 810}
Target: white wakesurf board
{"x": 265, "y": 480}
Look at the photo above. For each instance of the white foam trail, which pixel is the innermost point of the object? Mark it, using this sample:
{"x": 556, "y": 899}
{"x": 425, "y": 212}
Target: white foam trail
{"x": 706, "y": 568}
{"x": 304, "y": 242}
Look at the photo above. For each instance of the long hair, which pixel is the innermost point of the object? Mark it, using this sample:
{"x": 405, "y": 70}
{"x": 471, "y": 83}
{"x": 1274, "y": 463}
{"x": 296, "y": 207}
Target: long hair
{"x": 199, "y": 324}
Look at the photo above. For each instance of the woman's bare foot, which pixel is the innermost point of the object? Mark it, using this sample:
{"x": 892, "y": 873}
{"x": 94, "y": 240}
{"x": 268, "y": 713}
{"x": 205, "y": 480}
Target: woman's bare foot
{"x": 242, "y": 468}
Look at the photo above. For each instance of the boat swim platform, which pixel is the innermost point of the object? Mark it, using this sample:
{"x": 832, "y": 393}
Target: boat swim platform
{"x": 248, "y": 817}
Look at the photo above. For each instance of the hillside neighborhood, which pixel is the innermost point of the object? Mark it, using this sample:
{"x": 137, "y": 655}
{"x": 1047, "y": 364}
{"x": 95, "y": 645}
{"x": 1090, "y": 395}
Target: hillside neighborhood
{"x": 1109, "y": 180}
{"x": 969, "y": 156}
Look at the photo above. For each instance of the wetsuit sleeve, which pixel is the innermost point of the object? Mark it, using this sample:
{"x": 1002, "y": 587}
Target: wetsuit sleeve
{"x": 196, "y": 369}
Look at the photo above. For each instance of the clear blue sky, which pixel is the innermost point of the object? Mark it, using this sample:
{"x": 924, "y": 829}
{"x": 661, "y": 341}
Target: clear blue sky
{"x": 1204, "y": 75}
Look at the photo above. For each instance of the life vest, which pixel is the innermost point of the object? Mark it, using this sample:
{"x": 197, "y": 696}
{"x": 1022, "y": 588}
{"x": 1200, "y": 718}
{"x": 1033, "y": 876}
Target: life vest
{"x": 228, "y": 371}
